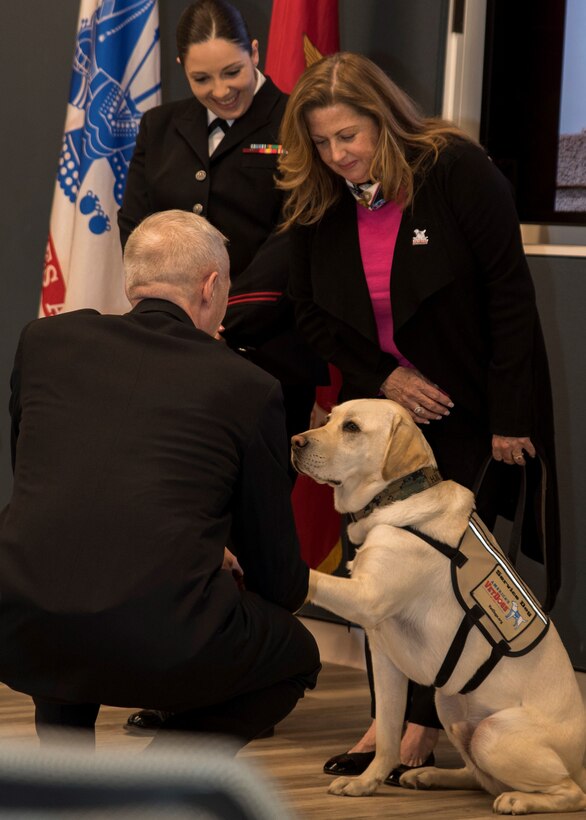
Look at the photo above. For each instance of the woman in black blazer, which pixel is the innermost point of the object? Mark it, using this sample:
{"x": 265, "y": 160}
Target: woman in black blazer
{"x": 408, "y": 274}
{"x": 216, "y": 154}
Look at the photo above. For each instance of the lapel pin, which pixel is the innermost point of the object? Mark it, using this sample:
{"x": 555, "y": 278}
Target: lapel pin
{"x": 419, "y": 237}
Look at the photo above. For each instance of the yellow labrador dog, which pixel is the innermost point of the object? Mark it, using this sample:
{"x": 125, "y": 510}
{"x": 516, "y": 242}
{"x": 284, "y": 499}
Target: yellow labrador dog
{"x": 518, "y": 722}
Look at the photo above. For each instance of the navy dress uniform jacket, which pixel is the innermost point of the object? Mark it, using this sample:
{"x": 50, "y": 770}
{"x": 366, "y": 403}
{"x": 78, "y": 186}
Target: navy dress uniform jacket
{"x": 141, "y": 446}
{"x": 235, "y": 190}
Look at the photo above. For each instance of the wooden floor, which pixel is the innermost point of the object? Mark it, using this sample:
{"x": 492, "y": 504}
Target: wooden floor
{"x": 327, "y": 721}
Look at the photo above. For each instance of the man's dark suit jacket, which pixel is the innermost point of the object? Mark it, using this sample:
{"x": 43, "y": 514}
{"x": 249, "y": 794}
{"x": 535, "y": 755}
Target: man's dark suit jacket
{"x": 142, "y": 446}
{"x": 235, "y": 190}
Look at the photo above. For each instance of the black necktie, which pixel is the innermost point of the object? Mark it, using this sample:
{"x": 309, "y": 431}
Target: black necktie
{"x": 218, "y": 123}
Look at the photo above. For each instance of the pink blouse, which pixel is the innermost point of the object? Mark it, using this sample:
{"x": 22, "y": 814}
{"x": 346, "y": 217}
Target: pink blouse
{"x": 377, "y": 233}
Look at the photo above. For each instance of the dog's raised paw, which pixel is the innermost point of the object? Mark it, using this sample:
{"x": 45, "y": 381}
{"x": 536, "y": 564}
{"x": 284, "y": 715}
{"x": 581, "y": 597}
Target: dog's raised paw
{"x": 351, "y": 787}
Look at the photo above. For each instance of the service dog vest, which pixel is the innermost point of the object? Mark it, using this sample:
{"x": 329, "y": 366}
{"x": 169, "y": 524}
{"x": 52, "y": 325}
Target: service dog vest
{"x": 494, "y": 598}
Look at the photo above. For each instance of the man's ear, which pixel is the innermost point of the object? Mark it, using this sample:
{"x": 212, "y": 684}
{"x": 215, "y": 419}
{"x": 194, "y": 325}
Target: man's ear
{"x": 405, "y": 451}
{"x": 208, "y": 287}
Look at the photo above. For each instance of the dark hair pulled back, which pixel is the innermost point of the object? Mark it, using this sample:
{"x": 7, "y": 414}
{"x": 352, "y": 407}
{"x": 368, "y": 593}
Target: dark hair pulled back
{"x": 208, "y": 20}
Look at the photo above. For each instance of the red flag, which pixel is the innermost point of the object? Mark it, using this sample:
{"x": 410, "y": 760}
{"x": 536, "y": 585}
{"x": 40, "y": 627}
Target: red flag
{"x": 291, "y": 22}
{"x": 301, "y": 31}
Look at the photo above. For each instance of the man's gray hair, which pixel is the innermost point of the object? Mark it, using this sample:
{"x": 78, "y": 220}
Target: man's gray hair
{"x": 172, "y": 251}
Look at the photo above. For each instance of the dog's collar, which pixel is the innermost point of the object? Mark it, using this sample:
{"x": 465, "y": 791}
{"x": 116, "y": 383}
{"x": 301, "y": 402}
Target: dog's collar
{"x": 402, "y": 488}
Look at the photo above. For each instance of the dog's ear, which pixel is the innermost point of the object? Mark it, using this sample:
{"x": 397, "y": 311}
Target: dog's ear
{"x": 405, "y": 451}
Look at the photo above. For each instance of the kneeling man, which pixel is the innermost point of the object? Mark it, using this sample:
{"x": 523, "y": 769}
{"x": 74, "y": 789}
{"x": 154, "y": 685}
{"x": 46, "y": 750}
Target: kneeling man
{"x": 142, "y": 446}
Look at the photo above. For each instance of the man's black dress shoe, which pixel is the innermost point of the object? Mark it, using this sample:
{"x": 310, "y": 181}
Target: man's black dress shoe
{"x": 146, "y": 722}
{"x": 351, "y": 763}
{"x": 395, "y": 775}
{"x": 270, "y": 732}
{"x": 149, "y": 721}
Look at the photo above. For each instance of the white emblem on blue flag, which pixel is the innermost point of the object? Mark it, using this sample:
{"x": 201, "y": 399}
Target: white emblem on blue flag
{"x": 115, "y": 78}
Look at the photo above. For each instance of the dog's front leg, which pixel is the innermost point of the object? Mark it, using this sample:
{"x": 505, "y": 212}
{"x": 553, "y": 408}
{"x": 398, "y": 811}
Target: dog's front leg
{"x": 346, "y": 597}
{"x": 390, "y": 686}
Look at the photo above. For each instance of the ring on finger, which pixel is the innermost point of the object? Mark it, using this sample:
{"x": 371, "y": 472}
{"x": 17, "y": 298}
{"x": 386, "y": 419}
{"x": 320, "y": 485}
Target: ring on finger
{"x": 518, "y": 456}
{"x": 418, "y": 409}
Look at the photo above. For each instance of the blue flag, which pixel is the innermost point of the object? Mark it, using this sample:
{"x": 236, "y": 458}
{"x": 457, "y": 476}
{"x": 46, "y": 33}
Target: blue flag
{"x": 116, "y": 76}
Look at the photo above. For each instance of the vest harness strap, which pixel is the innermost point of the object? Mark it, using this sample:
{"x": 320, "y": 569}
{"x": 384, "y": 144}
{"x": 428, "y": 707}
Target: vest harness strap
{"x": 494, "y": 598}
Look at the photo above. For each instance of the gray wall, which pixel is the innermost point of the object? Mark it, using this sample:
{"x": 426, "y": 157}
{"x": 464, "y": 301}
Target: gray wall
{"x": 561, "y": 293}
{"x": 406, "y": 37}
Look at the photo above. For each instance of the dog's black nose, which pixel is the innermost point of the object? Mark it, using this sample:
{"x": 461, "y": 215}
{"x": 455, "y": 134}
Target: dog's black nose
{"x": 298, "y": 441}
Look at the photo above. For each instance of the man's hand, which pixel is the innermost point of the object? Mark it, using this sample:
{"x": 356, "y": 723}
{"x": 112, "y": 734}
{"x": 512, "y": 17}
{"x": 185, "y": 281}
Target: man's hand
{"x": 231, "y": 564}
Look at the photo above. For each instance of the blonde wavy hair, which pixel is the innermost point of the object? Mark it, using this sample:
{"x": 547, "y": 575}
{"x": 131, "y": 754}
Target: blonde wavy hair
{"x": 408, "y": 144}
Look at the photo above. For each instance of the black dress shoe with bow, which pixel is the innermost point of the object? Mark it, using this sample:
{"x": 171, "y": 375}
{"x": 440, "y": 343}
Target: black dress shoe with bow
{"x": 146, "y": 722}
{"x": 395, "y": 775}
{"x": 350, "y": 763}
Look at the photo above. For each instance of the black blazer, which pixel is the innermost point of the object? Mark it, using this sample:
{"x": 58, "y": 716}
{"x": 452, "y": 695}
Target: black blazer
{"x": 133, "y": 467}
{"x": 463, "y": 306}
{"x": 235, "y": 190}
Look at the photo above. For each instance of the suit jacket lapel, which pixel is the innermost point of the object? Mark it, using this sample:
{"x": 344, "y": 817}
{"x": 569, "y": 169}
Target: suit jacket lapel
{"x": 420, "y": 269}
{"x": 339, "y": 283}
{"x": 192, "y": 124}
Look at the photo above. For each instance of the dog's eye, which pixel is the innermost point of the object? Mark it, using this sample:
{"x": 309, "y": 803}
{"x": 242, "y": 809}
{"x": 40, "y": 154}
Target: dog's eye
{"x": 350, "y": 427}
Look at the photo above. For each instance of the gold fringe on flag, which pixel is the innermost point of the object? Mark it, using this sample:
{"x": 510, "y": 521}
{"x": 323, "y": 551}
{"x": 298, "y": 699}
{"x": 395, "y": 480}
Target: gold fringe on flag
{"x": 311, "y": 53}
{"x": 332, "y": 560}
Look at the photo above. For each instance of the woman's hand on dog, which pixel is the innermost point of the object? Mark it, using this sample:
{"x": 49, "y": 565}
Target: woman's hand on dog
{"x": 423, "y": 399}
{"x": 512, "y": 449}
